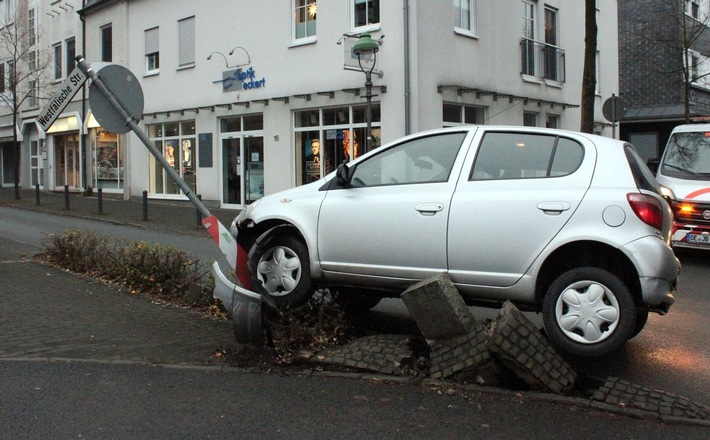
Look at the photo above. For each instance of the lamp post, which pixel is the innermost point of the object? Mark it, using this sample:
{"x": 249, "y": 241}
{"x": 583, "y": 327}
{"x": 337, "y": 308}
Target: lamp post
{"x": 365, "y": 47}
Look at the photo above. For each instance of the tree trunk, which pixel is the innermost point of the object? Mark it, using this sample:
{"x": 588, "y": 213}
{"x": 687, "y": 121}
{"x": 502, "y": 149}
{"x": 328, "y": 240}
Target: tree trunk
{"x": 589, "y": 80}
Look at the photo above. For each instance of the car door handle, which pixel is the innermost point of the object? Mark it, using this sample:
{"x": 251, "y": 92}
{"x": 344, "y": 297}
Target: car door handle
{"x": 553, "y": 208}
{"x": 429, "y": 208}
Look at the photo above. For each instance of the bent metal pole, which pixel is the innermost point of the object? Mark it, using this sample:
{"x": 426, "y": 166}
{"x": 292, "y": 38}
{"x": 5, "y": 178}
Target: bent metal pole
{"x": 219, "y": 233}
{"x": 131, "y": 123}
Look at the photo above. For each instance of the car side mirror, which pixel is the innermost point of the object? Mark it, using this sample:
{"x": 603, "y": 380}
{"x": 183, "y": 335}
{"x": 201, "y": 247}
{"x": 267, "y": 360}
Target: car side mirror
{"x": 653, "y": 164}
{"x": 342, "y": 175}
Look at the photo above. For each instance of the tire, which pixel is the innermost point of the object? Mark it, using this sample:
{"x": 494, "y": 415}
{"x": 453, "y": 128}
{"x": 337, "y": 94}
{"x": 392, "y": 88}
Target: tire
{"x": 641, "y": 319}
{"x": 279, "y": 267}
{"x": 588, "y": 312}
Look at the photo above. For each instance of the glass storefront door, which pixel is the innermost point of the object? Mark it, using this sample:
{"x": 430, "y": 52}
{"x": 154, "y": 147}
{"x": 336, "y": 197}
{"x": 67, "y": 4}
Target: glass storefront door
{"x": 254, "y": 177}
{"x": 67, "y": 161}
{"x": 232, "y": 171}
{"x": 242, "y": 169}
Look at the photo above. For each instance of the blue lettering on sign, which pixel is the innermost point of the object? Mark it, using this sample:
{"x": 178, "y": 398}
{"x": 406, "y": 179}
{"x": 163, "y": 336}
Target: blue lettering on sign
{"x": 235, "y": 80}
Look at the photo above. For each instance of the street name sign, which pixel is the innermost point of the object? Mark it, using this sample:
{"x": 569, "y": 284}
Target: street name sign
{"x": 59, "y": 101}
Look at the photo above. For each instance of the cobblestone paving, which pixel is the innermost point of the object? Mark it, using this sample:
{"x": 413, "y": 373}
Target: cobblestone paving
{"x": 620, "y": 392}
{"x": 66, "y": 316}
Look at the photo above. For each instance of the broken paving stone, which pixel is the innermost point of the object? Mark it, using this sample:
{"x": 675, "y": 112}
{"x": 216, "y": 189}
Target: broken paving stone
{"x": 454, "y": 355}
{"x": 621, "y": 392}
{"x": 438, "y": 309}
{"x": 386, "y": 354}
{"x": 526, "y": 351}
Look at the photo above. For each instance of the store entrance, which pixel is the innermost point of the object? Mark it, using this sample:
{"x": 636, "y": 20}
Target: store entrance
{"x": 242, "y": 170}
{"x": 67, "y": 161}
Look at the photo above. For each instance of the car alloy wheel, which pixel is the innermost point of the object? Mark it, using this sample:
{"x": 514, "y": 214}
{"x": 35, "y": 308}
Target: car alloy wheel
{"x": 279, "y": 267}
{"x": 588, "y": 312}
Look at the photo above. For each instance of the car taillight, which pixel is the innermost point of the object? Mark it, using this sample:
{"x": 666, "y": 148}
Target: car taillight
{"x": 647, "y": 208}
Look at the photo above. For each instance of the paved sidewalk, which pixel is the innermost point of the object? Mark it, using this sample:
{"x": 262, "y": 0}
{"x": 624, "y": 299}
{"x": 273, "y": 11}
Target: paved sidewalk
{"x": 48, "y": 313}
{"x": 179, "y": 215}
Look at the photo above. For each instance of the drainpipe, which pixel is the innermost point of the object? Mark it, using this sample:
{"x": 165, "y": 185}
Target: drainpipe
{"x": 407, "y": 86}
{"x": 84, "y": 134}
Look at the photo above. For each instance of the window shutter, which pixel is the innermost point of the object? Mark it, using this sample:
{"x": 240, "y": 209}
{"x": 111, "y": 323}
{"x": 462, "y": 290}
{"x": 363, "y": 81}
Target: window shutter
{"x": 186, "y": 42}
{"x": 151, "y": 41}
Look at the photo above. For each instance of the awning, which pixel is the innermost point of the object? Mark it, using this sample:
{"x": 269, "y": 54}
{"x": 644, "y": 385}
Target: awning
{"x": 660, "y": 112}
{"x": 70, "y": 123}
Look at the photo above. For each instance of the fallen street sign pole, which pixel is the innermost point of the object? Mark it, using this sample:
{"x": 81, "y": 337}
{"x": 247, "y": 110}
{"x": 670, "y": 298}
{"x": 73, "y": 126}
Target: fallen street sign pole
{"x": 244, "y": 304}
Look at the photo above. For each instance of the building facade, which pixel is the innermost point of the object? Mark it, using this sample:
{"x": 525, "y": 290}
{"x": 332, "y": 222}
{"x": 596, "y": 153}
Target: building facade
{"x": 664, "y": 53}
{"x": 246, "y": 99}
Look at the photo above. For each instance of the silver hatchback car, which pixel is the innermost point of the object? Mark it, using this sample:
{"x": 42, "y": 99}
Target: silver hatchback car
{"x": 567, "y": 224}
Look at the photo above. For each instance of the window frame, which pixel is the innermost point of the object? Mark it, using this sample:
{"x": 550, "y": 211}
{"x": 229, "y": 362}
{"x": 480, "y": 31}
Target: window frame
{"x": 368, "y": 26}
{"x": 493, "y": 157}
{"x": 472, "y": 30}
{"x": 296, "y": 9}
{"x": 152, "y": 50}
{"x": 69, "y": 55}
{"x": 32, "y": 26}
{"x": 103, "y": 45}
{"x": 58, "y": 59}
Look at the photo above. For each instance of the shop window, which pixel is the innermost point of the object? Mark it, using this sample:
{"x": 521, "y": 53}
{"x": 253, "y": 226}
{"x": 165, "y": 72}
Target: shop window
{"x": 176, "y": 141}
{"x": 457, "y": 114}
{"x": 108, "y": 159}
{"x": 328, "y": 137}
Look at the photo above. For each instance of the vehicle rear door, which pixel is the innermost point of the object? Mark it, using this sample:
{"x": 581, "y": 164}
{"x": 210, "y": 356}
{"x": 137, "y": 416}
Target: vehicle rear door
{"x": 513, "y": 197}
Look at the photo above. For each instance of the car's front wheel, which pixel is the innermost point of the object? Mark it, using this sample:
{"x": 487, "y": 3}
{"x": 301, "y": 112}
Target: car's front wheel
{"x": 279, "y": 267}
{"x": 588, "y": 311}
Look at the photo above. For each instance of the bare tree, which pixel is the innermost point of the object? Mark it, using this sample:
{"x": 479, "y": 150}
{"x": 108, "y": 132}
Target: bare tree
{"x": 22, "y": 83}
{"x": 589, "y": 80}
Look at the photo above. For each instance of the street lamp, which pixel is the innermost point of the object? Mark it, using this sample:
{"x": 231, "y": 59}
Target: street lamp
{"x": 365, "y": 47}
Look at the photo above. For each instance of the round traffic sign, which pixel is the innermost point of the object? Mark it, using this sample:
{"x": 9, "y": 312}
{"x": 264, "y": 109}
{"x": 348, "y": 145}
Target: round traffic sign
{"x": 613, "y": 109}
{"x": 125, "y": 88}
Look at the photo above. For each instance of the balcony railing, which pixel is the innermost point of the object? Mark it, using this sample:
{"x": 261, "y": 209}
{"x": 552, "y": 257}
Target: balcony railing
{"x": 542, "y": 60}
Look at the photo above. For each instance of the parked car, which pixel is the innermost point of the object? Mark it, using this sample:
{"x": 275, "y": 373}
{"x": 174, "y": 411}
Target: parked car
{"x": 567, "y": 224}
{"x": 684, "y": 175}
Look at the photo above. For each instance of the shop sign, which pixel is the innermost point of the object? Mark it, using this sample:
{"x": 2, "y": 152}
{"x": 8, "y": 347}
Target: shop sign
{"x": 61, "y": 98}
{"x": 238, "y": 79}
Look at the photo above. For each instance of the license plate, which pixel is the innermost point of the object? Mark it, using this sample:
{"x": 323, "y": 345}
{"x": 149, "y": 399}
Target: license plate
{"x": 698, "y": 238}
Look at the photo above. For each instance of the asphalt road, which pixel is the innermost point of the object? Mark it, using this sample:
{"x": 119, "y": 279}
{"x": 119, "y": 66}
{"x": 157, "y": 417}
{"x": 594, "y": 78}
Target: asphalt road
{"x": 91, "y": 396}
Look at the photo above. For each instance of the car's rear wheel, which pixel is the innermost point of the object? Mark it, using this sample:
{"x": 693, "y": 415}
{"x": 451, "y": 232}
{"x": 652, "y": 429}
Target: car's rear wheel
{"x": 588, "y": 312}
{"x": 279, "y": 266}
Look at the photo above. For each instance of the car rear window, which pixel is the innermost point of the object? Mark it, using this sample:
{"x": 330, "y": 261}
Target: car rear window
{"x": 642, "y": 175}
{"x": 525, "y": 156}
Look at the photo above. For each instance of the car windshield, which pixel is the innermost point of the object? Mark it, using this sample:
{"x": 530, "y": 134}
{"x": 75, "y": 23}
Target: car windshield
{"x": 688, "y": 156}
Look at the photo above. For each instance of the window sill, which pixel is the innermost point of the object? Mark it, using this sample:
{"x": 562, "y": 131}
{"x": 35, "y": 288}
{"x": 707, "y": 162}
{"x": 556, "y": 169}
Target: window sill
{"x": 465, "y": 33}
{"x": 551, "y": 83}
{"x": 376, "y": 27}
{"x": 151, "y": 73}
{"x": 186, "y": 67}
{"x": 303, "y": 42}
{"x": 531, "y": 79}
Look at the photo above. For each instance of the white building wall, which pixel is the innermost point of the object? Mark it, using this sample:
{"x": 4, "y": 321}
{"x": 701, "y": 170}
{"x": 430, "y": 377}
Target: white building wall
{"x": 489, "y": 61}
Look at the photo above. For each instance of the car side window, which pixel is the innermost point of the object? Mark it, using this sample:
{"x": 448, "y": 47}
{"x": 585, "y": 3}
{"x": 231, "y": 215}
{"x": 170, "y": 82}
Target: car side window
{"x": 427, "y": 159}
{"x": 525, "y": 156}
